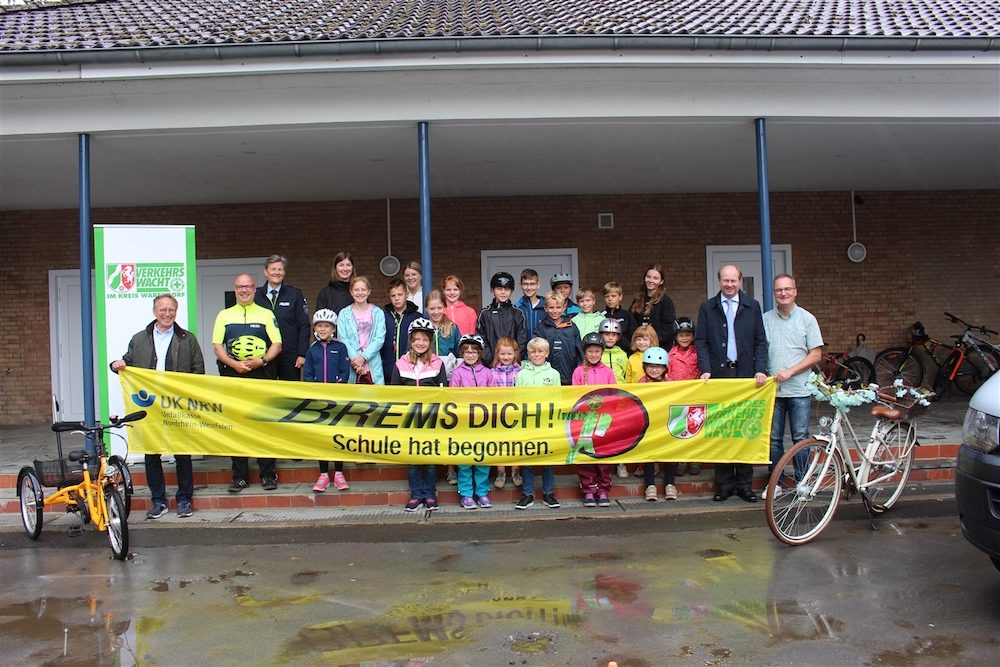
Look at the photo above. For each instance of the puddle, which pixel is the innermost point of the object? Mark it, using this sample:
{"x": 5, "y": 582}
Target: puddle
{"x": 934, "y": 647}
{"x": 532, "y": 643}
{"x": 66, "y": 631}
{"x": 597, "y": 557}
{"x": 789, "y": 620}
{"x": 306, "y": 578}
{"x": 708, "y": 554}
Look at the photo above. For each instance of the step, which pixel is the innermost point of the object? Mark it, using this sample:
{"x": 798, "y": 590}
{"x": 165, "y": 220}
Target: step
{"x": 392, "y": 491}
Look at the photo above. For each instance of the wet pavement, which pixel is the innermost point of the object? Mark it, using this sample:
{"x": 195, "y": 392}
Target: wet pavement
{"x": 913, "y": 593}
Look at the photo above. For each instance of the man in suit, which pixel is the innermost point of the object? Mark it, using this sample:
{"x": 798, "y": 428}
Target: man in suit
{"x": 291, "y": 312}
{"x": 731, "y": 343}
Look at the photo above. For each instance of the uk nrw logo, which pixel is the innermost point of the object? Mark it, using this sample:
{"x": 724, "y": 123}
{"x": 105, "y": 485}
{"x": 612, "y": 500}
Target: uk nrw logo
{"x": 143, "y": 398}
{"x": 686, "y": 421}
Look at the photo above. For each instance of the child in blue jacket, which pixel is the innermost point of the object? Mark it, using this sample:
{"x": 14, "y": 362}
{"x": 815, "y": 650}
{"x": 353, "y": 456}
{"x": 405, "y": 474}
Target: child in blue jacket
{"x": 327, "y": 360}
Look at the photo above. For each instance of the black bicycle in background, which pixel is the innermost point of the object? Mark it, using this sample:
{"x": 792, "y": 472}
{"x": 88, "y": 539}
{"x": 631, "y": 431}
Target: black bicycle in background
{"x": 966, "y": 365}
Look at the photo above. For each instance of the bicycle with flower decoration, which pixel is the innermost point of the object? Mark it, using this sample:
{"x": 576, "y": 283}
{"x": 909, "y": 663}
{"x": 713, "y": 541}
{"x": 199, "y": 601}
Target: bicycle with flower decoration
{"x": 810, "y": 479}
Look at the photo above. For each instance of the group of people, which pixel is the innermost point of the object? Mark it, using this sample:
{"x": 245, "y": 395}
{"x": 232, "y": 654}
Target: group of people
{"x": 435, "y": 339}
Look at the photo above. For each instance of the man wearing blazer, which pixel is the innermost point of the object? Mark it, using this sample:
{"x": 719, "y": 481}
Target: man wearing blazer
{"x": 731, "y": 343}
{"x": 291, "y": 312}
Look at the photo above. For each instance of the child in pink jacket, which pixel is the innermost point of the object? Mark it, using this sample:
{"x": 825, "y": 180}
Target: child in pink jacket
{"x": 595, "y": 478}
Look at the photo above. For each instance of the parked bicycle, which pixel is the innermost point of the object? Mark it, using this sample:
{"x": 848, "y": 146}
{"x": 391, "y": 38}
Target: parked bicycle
{"x": 852, "y": 372}
{"x": 970, "y": 361}
{"x": 810, "y": 479}
{"x": 103, "y": 499}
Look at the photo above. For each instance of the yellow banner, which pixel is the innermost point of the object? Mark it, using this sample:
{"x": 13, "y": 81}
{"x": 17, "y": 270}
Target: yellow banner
{"x": 715, "y": 422}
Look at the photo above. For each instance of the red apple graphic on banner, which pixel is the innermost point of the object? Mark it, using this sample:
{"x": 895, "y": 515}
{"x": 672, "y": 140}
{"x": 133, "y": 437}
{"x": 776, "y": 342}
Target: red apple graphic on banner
{"x": 604, "y": 423}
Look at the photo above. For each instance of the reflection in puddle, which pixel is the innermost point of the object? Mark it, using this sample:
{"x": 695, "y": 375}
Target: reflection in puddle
{"x": 933, "y": 647}
{"x": 66, "y": 631}
{"x": 532, "y": 642}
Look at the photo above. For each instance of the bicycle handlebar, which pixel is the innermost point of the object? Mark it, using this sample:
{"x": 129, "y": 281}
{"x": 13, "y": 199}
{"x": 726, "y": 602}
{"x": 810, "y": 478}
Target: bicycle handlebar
{"x": 981, "y": 328}
{"x": 116, "y": 422}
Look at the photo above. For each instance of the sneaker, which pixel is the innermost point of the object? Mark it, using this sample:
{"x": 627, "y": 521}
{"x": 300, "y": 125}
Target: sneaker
{"x": 431, "y": 504}
{"x": 694, "y": 469}
{"x": 237, "y": 485}
{"x": 622, "y": 471}
{"x": 321, "y": 483}
{"x": 501, "y": 480}
{"x": 777, "y": 492}
{"x": 651, "y": 493}
{"x": 485, "y": 502}
{"x": 682, "y": 469}
{"x": 602, "y": 500}
{"x": 526, "y": 501}
{"x": 670, "y": 493}
{"x": 156, "y": 511}
{"x": 184, "y": 509}
{"x": 517, "y": 479}
{"x": 340, "y": 481}
{"x": 269, "y": 483}
{"x": 468, "y": 503}
{"x": 550, "y": 500}
{"x": 588, "y": 500}
{"x": 413, "y": 505}
{"x": 452, "y": 476}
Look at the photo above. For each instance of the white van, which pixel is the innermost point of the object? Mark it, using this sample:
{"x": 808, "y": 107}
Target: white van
{"x": 977, "y": 479}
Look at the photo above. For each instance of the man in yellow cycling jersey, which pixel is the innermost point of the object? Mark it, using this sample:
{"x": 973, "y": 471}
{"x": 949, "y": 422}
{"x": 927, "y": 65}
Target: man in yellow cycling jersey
{"x": 246, "y": 340}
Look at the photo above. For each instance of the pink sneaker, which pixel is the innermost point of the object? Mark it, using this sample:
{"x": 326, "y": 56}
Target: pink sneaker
{"x": 340, "y": 481}
{"x": 321, "y": 483}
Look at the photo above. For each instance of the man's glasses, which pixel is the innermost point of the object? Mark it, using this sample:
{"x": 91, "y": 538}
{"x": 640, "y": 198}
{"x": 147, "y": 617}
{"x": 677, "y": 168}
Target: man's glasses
{"x": 783, "y": 290}
{"x": 245, "y": 286}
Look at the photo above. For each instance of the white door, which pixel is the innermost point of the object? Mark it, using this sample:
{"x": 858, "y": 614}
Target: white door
{"x": 748, "y": 259}
{"x": 547, "y": 262}
{"x": 215, "y": 283}
{"x": 66, "y": 343}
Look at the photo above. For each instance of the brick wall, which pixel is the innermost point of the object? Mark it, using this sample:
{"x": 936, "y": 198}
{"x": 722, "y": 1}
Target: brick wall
{"x": 927, "y": 252}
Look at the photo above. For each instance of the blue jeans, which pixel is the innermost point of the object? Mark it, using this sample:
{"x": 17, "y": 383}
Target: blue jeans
{"x": 423, "y": 482}
{"x": 158, "y": 486}
{"x": 797, "y": 410}
{"x": 528, "y": 475}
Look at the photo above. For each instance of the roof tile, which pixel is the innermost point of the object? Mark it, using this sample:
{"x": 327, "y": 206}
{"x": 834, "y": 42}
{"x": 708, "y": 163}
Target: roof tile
{"x": 111, "y": 24}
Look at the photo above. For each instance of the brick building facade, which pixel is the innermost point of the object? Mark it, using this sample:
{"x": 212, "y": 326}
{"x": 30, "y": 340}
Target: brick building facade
{"x": 927, "y": 252}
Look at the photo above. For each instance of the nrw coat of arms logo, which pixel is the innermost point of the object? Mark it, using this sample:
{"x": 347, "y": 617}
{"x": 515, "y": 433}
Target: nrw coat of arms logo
{"x": 121, "y": 277}
{"x": 686, "y": 421}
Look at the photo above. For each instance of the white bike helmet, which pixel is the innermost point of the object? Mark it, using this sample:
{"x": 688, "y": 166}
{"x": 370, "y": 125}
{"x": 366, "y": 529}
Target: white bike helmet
{"x": 325, "y": 315}
{"x": 421, "y": 324}
{"x": 472, "y": 339}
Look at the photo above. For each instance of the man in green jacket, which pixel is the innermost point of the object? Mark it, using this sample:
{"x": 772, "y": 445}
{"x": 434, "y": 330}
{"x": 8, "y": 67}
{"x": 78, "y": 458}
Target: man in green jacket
{"x": 164, "y": 346}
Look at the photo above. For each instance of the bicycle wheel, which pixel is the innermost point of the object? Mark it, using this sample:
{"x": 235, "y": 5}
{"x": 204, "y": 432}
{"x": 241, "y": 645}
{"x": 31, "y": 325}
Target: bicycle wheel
{"x": 117, "y": 523}
{"x": 801, "y": 510}
{"x": 122, "y": 478}
{"x": 890, "y": 464}
{"x": 943, "y": 378}
{"x": 980, "y": 363}
{"x": 855, "y": 373}
{"x": 29, "y": 491}
{"x": 898, "y": 363}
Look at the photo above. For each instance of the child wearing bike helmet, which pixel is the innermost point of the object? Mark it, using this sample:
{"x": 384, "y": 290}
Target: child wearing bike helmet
{"x": 420, "y": 367}
{"x": 595, "y": 478}
{"x": 614, "y": 356}
{"x": 655, "y": 362}
{"x": 684, "y": 366}
{"x": 327, "y": 360}
{"x": 473, "y": 480}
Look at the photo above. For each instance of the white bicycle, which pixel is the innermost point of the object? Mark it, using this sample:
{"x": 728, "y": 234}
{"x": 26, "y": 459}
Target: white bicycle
{"x": 810, "y": 479}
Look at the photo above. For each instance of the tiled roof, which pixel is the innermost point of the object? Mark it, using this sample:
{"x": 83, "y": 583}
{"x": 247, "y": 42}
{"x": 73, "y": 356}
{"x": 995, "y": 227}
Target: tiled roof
{"x": 111, "y": 24}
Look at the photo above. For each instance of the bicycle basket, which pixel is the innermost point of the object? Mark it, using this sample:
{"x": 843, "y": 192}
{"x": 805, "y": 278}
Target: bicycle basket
{"x": 51, "y": 473}
{"x": 909, "y": 404}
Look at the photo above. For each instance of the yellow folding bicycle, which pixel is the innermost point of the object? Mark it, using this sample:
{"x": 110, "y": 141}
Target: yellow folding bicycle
{"x": 103, "y": 498}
